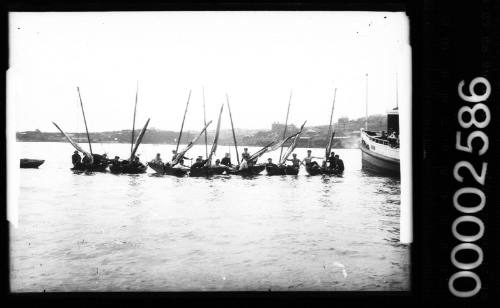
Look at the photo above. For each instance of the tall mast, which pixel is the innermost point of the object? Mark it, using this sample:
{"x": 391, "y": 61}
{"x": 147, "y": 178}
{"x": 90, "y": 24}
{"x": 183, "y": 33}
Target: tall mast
{"x": 183, "y": 119}
{"x": 205, "y": 122}
{"x": 366, "y": 102}
{"x": 286, "y": 122}
{"x": 232, "y": 128}
{"x": 85, "y": 120}
{"x": 133, "y": 123}
{"x": 330, "y": 129}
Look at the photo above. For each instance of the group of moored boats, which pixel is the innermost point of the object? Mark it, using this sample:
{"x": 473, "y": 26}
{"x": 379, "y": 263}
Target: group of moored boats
{"x": 248, "y": 165}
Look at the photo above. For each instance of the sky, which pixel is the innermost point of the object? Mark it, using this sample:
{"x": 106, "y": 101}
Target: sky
{"x": 257, "y": 58}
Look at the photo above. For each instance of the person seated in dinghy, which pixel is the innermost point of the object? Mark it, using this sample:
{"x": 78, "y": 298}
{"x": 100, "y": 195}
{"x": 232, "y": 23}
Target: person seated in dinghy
{"x": 157, "y": 159}
{"x": 270, "y": 163}
{"x": 295, "y": 161}
{"x": 100, "y": 159}
{"x": 332, "y": 162}
{"x": 200, "y": 163}
{"x": 181, "y": 160}
{"x": 245, "y": 154}
{"x": 307, "y": 161}
{"x": 76, "y": 159}
{"x": 116, "y": 161}
{"x": 86, "y": 160}
{"x": 340, "y": 164}
{"x": 244, "y": 164}
{"x": 136, "y": 160}
{"x": 226, "y": 160}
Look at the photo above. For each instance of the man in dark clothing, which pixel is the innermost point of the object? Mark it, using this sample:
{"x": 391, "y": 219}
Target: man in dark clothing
{"x": 270, "y": 163}
{"x": 332, "y": 161}
{"x": 86, "y": 161}
{"x": 76, "y": 159}
{"x": 116, "y": 161}
{"x": 340, "y": 164}
{"x": 200, "y": 163}
{"x": 226, "y": 161}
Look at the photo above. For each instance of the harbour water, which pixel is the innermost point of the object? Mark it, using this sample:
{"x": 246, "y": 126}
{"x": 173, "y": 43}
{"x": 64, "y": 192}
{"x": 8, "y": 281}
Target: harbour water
{"x": 105, "y": 232}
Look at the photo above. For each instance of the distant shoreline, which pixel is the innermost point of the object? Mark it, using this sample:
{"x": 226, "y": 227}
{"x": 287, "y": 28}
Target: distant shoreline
{"x": 220, "y": 144}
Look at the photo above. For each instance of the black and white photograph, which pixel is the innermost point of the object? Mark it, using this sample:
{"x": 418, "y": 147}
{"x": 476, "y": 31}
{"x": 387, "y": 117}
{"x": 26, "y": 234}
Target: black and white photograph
{"x": 167, "y": 151}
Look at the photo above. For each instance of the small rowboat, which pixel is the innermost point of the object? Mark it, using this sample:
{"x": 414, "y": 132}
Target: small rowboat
{"x": 321, "y": 170}
{"x": 208, "y": 171}
{"x": 31, "y": 163}
{"x": 127, "y": 168}
{"x": 162, "y": 169}
{"x": 250, "y": 171}
{"x": 100, "y": 167}
{"x": 282, "y": 170}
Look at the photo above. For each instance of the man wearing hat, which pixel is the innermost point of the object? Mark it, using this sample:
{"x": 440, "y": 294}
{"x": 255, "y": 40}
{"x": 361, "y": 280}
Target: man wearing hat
{"x": 76, "y": 159}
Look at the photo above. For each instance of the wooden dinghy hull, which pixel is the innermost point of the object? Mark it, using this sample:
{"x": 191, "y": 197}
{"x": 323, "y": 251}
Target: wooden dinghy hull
{"x": 30, "y": 163}
{"x": 250, "y": 171}
{"x": 323, "y": 171}
{"x": 208, "y": 171}
{"x": 162, "y": 169}
{"x": 282, "y": 170}
{"x": 93, "y": 168}
{"x": 128, "y": 169}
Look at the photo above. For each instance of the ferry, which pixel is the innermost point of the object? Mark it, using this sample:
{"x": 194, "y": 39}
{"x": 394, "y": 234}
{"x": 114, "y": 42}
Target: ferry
{"x": 380, "y": 150}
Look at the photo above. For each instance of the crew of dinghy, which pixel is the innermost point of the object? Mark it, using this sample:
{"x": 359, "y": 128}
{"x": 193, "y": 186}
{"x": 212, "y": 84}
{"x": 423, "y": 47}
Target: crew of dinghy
{"x": 203, "y": 167}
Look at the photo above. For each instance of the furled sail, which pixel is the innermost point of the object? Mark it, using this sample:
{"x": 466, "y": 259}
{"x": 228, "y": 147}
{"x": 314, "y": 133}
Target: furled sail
{"x": 138, "y": 141}
{"x": 216, "y": 138}
{"x": 292, "y": 146}
{"x": 74, "y": 143}
{"x": 271, "y": 147}
{"x": 189, "y": 145}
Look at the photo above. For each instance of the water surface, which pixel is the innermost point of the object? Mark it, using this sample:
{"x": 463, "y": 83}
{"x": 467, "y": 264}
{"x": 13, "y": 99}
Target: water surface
{"x": 105, "y": 232}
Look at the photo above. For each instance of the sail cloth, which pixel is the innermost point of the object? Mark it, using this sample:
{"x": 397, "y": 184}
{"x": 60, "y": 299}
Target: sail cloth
{"x": 216, "y": 139}
{"x": 138, "y": 140}
{"x": 74, "y": 143}
{"x": 189, "y": 146}
{"x": 329, "y": 146}
{"x": 292, "y": 146}
{"x": 271, "y": 147}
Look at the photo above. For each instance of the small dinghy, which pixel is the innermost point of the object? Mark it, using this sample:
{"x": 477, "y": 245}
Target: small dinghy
{"x": 127, "y": 168}
{"x": 208, "y": 171}
{"x": 161, "y": 168}
{"x": 282, "y": 170}
{"x": 321, "y": 170}
{"x": 31, "y": 163}
{"x": 250, "y": 171}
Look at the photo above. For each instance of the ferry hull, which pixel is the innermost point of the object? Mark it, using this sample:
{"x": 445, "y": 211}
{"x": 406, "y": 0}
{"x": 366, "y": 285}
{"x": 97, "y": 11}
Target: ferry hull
{"x": 377, "y": 163}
